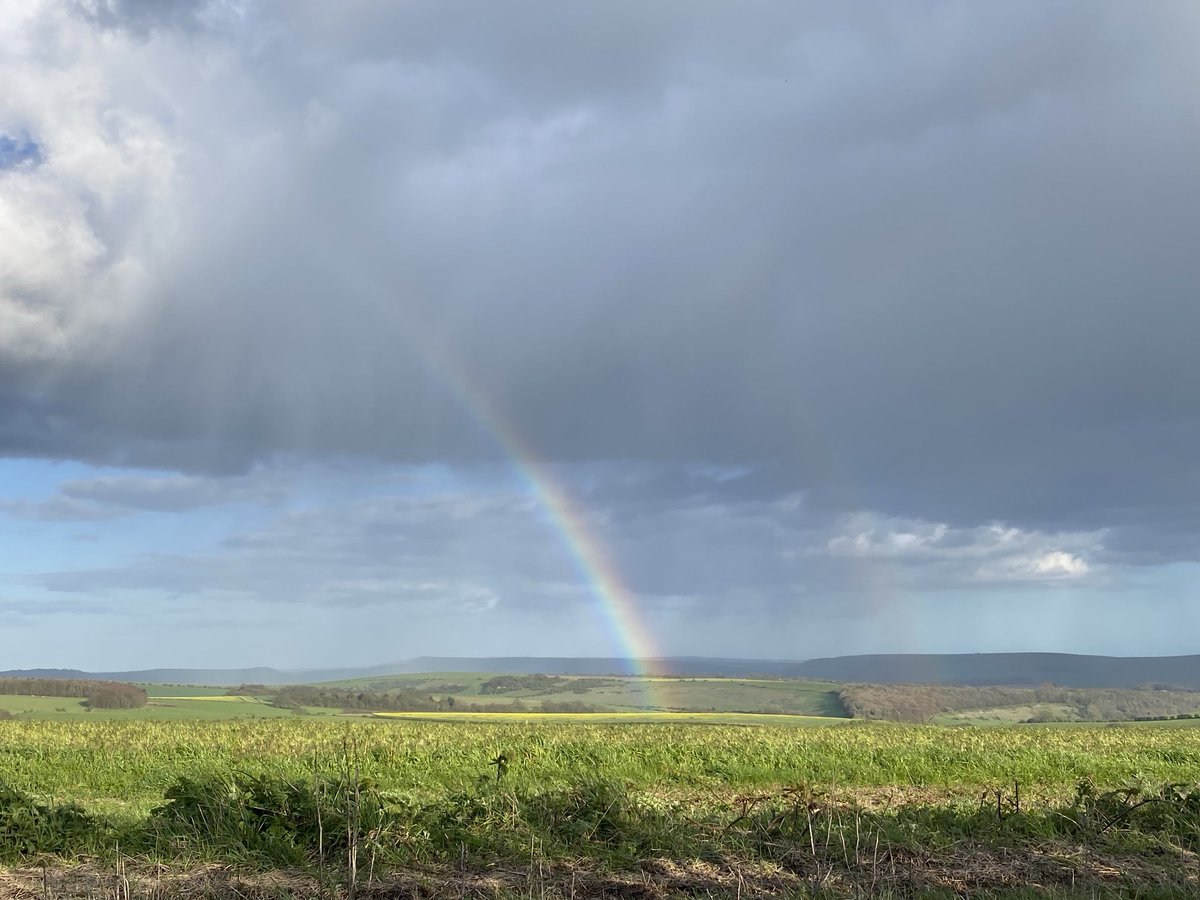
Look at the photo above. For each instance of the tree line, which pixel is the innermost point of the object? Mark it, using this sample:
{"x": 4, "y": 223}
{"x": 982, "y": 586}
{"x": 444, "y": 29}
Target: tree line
{"x": 301, "y": 696}
{"x": 95, "y": 694}
{"x": 505, "y": 684}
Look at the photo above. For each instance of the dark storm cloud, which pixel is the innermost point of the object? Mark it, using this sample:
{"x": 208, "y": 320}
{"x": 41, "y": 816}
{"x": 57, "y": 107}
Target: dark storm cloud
{"x": 934, "y": 261}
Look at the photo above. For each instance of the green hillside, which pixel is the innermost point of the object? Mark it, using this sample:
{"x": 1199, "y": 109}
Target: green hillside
{"x": 619, "y": 694}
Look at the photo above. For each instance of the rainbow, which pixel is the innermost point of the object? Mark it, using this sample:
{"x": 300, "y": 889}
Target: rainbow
{"x": 616, "y": 601}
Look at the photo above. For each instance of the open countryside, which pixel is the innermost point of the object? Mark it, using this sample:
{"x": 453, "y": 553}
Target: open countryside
{"x": 599, "y": 450}
{"x": 675, "y": 784}
{"x": 458, "y": 694}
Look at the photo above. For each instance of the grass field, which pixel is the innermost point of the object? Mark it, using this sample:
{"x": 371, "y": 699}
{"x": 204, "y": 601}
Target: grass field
{"x": 180, "y": 707}
{"x": 613, "y": 718}
{"x": 608, "y": 694}
{"x": 679, "y": 787}
{"x": 1006, "y": 715}
{"x": 584, "y": 808}
{"x": 131, "y": 763}
{"x": 623, "y": 694}
{"x": 1020, "y": 715}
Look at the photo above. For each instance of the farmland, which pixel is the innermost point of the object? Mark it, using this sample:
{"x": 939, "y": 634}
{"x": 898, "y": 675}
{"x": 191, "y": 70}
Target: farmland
{"x": 626, "y": 694}
{"x": 704, "y": 786}
{"x": 458, "y": 696}
{"x": 612, "y": 696}
{"x": 511, "y": 807}
{"x": 179, "y": 704}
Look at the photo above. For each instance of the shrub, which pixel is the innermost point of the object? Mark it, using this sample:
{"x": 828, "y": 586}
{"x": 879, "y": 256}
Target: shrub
{"x": 28, "y": 826}
{"x": 276, "y": 819}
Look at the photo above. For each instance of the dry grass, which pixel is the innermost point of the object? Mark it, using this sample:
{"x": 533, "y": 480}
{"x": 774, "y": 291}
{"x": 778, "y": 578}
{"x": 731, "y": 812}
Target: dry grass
{"x": 1055, "y": 870}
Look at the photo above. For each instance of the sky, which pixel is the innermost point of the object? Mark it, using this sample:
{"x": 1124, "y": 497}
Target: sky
{"x": 342, "y": 333}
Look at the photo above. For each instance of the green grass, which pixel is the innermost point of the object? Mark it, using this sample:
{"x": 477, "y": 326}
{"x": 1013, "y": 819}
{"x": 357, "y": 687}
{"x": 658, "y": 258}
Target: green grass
{"x": 781, "y": 808}
{"x": 1007, "y": 715}
{"x": 627, "y": 694}
{"x": 199, "y": 707}
{"x": 129, "y": 763}
{"x": 680, "y": 787}
{"x": 735, "y": 698}
{"x": 42, "y": 707}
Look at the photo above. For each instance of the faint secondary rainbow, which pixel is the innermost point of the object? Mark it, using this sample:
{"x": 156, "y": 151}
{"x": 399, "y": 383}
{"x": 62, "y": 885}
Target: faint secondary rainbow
{"x": 616, "y": 600}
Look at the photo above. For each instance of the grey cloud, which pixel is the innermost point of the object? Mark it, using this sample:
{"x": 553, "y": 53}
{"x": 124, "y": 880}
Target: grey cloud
{"x": 473, "y": 553}
{"x": 16, "y": 612}
{"x": 394, "y": 550}
{"x": 933, "y": 262}
{"x": 112, "y": 496}
{"x": 57, "y": 509}
{"x": 140, "y": 17}
{"x": 172, "y": 493}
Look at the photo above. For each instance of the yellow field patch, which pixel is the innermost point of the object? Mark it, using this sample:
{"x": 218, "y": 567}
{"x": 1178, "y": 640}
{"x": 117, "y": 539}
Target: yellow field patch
{"x": 640, "y": 716}
{"x": 211, "y": 699}
{"x": 779, "y": 682}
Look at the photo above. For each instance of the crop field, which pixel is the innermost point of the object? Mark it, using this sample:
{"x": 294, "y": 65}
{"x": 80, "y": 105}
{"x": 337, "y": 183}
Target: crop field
{"x": 184, "y": 690}
{"x": 512, "y": 808}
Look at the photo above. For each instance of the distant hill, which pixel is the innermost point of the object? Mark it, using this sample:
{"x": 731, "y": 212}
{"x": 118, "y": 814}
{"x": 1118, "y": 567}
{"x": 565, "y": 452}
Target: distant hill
{"x": 173, "y": 676}
{"x": 567, "y": 665}
{"x": 681, "y": 666}
{"x": 1066, "y": 669}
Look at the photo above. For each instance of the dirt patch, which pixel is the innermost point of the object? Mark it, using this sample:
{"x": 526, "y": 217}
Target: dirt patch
{"x": 868, "y": 872}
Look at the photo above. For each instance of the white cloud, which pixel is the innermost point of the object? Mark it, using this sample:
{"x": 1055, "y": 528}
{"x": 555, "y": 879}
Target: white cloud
{"x": 992, "y": 553}
{"x": 1053, "y": 565}
{"x": 86, "y": 229}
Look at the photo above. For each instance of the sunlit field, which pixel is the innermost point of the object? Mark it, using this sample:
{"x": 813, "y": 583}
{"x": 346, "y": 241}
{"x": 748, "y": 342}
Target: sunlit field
{"x": 640, "y": 716}
{"x": 186, "y": 708}
{"x": 692, "y": 786}
{"x": 129, "y": 764}
{"x": 632, "y": 694}
{"x": 592, "y": 799}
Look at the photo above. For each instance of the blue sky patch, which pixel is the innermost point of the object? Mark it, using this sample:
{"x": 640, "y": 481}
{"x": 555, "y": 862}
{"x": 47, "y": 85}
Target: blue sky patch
{"x": 18, "y": 151}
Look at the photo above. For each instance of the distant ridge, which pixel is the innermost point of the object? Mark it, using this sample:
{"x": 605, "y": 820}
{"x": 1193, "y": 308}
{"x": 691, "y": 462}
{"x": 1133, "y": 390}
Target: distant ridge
{"x": 567, "y": 665}
{"x": 162, "y": 676}
{"x": 1066, "y": 669}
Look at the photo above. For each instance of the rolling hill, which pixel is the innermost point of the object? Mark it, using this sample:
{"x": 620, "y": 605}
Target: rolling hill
{"x": 1066, "y": 669}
